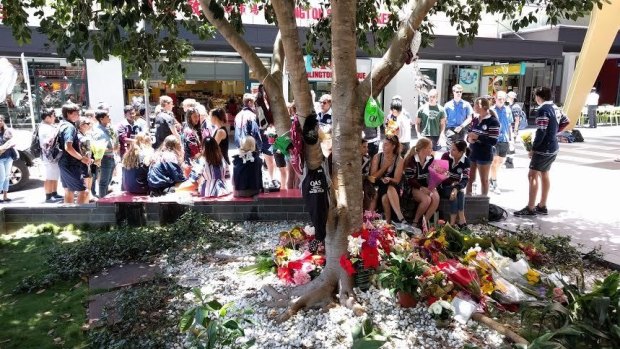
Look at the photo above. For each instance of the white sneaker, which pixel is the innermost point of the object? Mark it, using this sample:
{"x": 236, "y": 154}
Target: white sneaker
{"x": 404, "y": 227}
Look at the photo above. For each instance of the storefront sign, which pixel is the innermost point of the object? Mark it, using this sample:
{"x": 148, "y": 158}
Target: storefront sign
{"x": 468, "y": 79}
{"x": 325, "y": 73}
{"x": 504, "y": 69}
{"x": 58, "y": 72}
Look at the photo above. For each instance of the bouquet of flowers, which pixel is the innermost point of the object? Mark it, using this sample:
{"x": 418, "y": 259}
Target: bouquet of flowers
{"x": 437, "y": 173}
{"x": 435, "y": 285}
{"x": 98, "y": 149}
{"x": 296, "y": 265}
{"x": 365, "y": 246}
{"x": 463, "y": 276}
{"x": 527, "y": 140}
{"x": 441, "y": 310}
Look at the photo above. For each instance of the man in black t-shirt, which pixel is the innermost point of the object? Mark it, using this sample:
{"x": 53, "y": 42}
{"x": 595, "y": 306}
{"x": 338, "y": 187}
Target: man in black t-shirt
{"x": 164, "y": 121}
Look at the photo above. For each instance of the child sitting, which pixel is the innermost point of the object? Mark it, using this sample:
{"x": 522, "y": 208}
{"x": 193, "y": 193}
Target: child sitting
{"x": 165, "y": 172}
{"x": 247, "y": 173}
{"x": 211, "y": 181}
{"x": 136, "y": 164}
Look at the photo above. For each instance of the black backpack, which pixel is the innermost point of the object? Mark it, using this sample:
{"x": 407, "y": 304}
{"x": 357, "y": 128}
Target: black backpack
{"x": 497, "y": 213}
{"x": 577, "y": 136}
{"x": 35, "y": 144}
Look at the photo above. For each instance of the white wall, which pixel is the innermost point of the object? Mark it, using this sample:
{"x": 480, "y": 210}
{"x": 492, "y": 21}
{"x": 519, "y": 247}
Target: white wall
{"x": 105, "y": 84}
{"x": 403, "y": 84}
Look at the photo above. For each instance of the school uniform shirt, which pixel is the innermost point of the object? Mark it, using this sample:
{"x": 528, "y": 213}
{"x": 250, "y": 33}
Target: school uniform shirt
{"x": 247, "y": 172}
{"x": 487, "y": 130}
{"x": 458, "y": 171}
{"x": 105, "y": 134}
{"x": 430, "y": 119}
{"x": 548, "y": 124}
{"x": 504, "y": 115}
{"x": 127, "y": 130}
{"x": 416, "y": 174}
{"x": 68, "y": 133}
{"x": 165, "y": 172}
{"x": 325, "y": 119}
{"x": 191, "y": 142}
{"x": 213, "y": 181}
{"x": 457, "y": 112}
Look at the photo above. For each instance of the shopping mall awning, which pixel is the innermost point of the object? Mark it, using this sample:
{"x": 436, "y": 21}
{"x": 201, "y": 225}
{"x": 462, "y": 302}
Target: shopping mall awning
{"x": 571, "y": 38}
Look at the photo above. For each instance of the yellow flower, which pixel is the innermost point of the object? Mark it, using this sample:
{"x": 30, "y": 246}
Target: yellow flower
{"x": 487, "y": 287}
{"x": 296, "y": 233}
{"x": 442, "y": 240}
{"x": 533, "y": 277}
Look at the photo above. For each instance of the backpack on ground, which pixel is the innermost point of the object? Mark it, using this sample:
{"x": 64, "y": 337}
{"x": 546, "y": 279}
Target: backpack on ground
{"x": 35, "y": 143}
{"x": 51, "y": 149}
{"x": 497, "y": 213}
{"x": 577, "y": 136}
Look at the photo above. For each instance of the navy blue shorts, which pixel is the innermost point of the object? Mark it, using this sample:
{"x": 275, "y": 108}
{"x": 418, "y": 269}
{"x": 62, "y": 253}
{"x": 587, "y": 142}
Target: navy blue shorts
{"x": 72, "y": 177}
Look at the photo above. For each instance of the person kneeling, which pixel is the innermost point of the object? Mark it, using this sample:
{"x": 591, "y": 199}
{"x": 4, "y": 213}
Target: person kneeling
{"x": 453, "y": 187}
{"x": 247, "y": 169}
{"x": 166, "y": 173}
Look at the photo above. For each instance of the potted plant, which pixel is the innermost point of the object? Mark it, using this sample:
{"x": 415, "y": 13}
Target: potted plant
{"x": 401, "y": 277}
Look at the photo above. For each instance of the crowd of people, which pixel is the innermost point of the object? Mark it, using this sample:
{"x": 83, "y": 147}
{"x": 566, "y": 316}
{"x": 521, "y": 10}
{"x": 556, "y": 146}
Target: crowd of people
{"x": 84, "y": 149}
{"x": 478, "y": 138}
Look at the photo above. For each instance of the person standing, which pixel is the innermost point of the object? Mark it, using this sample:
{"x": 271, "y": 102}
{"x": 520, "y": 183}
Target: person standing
{"x": 129, "y": 128}
{"x": 325, "y": 115}
{"x": 103, "y": 133}
{"x": 164, "y": 121}
{"x": 71, "y": 161}
{"x": 7, "y": 152}
{"x": 544, "y": 151}
{"x": 459, "y": 114}
{"x": 592, "y": 104}
{"x": 47, "y": 131}
{"x": 431, "y": 120}
{"x": 246, "y": 122}
{"x": 398, "y": 124}
{"x": 504, "y": 115}
{"x": 481, "y": 138}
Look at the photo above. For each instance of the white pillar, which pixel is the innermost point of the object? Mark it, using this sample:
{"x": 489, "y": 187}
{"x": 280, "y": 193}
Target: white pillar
{"x": 105, "y": 84}
{"x": 568, "y": 68}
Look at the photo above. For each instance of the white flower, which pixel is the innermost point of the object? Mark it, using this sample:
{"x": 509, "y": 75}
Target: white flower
{"x": 355, "y": 244}
{"x": 309, "y": 230}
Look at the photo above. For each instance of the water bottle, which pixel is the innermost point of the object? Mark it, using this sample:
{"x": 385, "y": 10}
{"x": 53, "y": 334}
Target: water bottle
{"x": 474, "y": 188}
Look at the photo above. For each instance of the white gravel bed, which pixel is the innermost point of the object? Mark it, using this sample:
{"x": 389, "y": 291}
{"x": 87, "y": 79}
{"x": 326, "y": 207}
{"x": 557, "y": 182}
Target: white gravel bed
{"x": 406, "y": 328}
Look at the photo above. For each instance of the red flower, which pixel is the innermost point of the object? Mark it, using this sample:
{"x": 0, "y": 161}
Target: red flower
{"x": 284, "y": 274}
{"x": 346, "y": 264}
{"x": 319, "y": 260}
{"x": 370, "y": 256}
{"x": 295, "y": 265}
{"x": 431, "y": 299}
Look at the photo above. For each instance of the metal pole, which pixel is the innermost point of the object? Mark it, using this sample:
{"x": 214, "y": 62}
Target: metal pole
{"x": 27, "y": 79}
{"x": 147, "y": 113}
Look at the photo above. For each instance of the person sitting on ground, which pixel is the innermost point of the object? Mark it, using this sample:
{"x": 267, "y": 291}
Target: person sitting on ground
{"x": 166, "y": 172}
{"x": 136, "y": 164}
{"x": 211, "y": 181}
{"x": 453, "y": 187}
{"x": 417, "y": 163}
{"x": 247, "y": 170}
{"x": 387, "y": 169}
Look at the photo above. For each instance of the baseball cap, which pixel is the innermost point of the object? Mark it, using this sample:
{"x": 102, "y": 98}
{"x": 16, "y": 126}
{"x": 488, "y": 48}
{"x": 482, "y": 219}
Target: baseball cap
{"x": 512, "y": 94}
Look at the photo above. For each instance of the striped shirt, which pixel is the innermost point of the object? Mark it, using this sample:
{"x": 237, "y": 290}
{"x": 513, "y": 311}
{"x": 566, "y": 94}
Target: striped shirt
{"x": 549, "y": 122}
{"x": 458, "y": 173}
{"x": 416, "y": 174}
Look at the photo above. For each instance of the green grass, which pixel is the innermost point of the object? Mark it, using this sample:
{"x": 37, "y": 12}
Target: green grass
{"x": 44, "y": 318}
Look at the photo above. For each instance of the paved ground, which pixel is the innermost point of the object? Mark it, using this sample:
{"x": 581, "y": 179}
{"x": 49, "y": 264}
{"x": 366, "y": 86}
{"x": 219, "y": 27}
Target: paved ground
{"x": 583, "y": 203}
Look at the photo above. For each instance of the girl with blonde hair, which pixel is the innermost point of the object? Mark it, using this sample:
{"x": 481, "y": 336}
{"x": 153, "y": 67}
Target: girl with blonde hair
{"x": 136, "y": 164}
{"x": 166, "y": 171}
{"x": 247, "y": 169}
{"x": 417, "y": 163}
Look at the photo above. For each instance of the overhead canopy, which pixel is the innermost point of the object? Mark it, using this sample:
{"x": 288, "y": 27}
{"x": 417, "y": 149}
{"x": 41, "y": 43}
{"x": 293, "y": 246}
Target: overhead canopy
{"x": 571, "y": 38}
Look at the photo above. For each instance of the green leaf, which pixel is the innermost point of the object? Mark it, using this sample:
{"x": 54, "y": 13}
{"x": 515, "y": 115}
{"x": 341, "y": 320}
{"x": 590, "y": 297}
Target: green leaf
{"x": 366, "y": 343}
{"x": 199, "y": 316}
{"x": 212, "y": 334}
{"x": 231, "y": 325}
{"x": 187, "y": 320}
{"x": 215, "y": 305}
{"x": 356, "y": 332}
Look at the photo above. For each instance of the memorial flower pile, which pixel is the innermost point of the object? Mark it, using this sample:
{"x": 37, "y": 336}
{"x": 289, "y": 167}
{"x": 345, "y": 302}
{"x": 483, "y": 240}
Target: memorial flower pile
{"x": 296, "y": 265}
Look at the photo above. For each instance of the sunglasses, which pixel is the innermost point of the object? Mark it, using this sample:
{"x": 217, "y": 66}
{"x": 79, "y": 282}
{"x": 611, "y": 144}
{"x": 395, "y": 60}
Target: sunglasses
{"x": 457, "y": 91}
{"x": 325, "y": 102}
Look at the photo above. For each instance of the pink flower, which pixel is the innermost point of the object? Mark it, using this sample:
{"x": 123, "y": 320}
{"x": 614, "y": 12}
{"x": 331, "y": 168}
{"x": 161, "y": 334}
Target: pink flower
{"x": 301, "y": 278}
{"x": 559, "y": 296}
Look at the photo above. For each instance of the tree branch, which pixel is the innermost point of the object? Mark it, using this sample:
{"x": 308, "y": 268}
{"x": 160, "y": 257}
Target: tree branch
{"x": 285, "y": 12}
{"x": 393, "y": 60}
{"x": 276, "y": 97}
{"x": 237, "y": 42}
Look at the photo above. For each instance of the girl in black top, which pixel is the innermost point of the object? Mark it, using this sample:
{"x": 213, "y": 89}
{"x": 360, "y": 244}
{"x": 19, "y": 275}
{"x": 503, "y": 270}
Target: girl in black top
{"x": 453, "y": 187}
{"x": 417, "y": 162}
{"x": 482, "y": 137}
{"x": 220, "y": 133}
{"x": 386, "y": 171}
